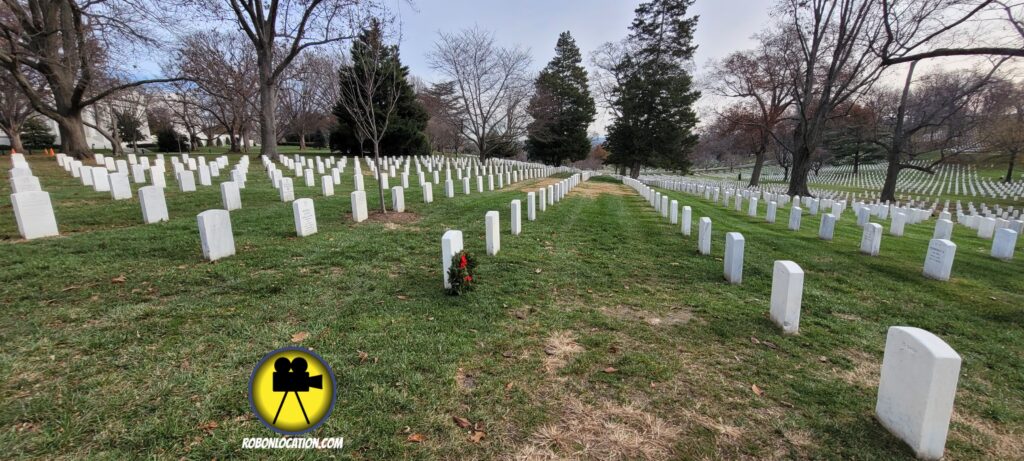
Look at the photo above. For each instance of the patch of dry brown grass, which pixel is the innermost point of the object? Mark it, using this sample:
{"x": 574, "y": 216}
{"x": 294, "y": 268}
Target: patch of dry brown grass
{"x": 559, "y": 348}
{"x": 592, "y": 189}
{"x": 605, "y": 431}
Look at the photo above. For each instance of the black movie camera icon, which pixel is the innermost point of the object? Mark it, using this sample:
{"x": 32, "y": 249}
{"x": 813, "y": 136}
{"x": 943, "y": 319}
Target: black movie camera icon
{"x": 291, "y": 376}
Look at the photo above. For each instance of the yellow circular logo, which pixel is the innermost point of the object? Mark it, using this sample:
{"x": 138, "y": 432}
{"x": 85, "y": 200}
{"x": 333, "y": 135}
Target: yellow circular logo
{"x": 292, "y": 390}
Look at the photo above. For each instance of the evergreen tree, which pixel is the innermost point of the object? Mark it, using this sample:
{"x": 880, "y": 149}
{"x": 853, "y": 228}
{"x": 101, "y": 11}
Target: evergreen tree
{"x": 129, "y": 127}
{"x": 35, "y": 134}
{"x": 405, "y": 134}
{"x": 561, "y": 108}
{"x": 654, "y": 101}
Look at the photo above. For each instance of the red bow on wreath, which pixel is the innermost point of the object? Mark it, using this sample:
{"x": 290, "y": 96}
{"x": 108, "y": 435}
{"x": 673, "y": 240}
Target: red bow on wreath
{"x": 462, "y": 262}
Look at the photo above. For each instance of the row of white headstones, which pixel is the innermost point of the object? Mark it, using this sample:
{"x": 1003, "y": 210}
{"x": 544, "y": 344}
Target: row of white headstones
{"x": 919, "y": 370}
{"x": 33, "y": 208}
{"x": 452, "y": 241}
{"x": 217, "y": 238}
{"x": 938, "y": 263}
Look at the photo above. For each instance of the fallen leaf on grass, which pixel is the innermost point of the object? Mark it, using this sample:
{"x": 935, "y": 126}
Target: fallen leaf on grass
{"x": 610, "y": 370}
{"x": 508, "y": 354}
{"x": 300, "y": 336}
{"x": 416, "y": 438}
{"x": 757, "y": 390}
{"x": 403, "y": 297}
{"x": 72, "y": 287}
{"x": 363, "y": 356}
{"x": 461, "y": 422}
{"x": 508, "y": 386}
{"x": 208, "y": 426}
{"x": 477, "y": 436}
{"x": 119, "y": 279}
{"x": 537, "y": 271}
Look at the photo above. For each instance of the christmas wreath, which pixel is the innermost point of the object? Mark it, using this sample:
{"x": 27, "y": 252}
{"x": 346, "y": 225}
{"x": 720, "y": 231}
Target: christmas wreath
{"x": 460, "y": 274}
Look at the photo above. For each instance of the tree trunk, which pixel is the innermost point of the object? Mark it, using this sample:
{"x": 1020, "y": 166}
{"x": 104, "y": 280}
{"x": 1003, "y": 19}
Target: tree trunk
{"x": 755, "y": 176}
{"x": 72, "y": 136}
{"x": 302, "y": 141}
{"x": 233, "y": 140}
{"x": 801, "y": 167}
{"x": 15, "y": 136}
{"x": 892, "y": 173}
{"x": 785, "y": 173}
{"x": 856, "y": 161}
{"x": 380, "y": 184}
{"x": 268, "y": 120}
{"x": 634, "y": 170}
{"x": 1009, "y": 169}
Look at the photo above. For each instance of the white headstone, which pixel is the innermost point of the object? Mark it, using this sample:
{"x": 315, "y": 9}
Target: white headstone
{"x": 794, "y": 218}
{"x": 327, "y": 186}
{"x": 398, "y": 199}
{"x": 153, "y": 204}
{"x": 687, "y": 220}
{"x": 673, "y": 212}
{"x": 215, "y": 234}
{"x": 230, "y": 196}
{"x": 734, "y": 257}
{"x": 1004, "y": 244}
{"x": 359, "y": 212}
{"x": 449, "y": 188}
{"x": 100, "y": 183}
{"x": 787, "y": 295}
{"x": 286, "y": 190}
{"x": 531, "y": 206}
{"x": 769, "y": 215}
{"x": 304, "y": 214}
{"x": 542, "y": 200}
{"x": 827, "y": 227}
{"x": 491, "y": 220}
{"x": 25, "y": 184}
{"x": 120, "y": 186}
{"x": 871, "y": 239}
{"x": 34, "y": 214}
{"x": 943, "y": 229}
{"x": 517, "y": 217}
{"x": 139, "y": 174}
{"x": 704, "y": 236}
{"x": 428, "y": 192}
{"x": 899, "y": 221}
{"x": 451, "y": 245}
{"x": 308, "y": 177}
{"x": 186, "y": 181}
{"x": 986, "y": 228}
{"x": 938, "y": 263}
{"x": 917, "y": 388}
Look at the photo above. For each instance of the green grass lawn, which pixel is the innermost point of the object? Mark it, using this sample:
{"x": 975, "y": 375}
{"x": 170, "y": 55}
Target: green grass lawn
{"x": 599, "y": 332}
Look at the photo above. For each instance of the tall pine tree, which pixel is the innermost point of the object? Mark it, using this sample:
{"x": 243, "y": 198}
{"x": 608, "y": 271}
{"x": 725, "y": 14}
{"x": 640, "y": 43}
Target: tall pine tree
{"x": 405, "y": 134}
{"x": 561, "y": 108}
{"x": 654, "y": 101}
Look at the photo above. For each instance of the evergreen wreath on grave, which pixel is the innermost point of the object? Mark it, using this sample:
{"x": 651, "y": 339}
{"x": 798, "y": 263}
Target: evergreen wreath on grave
{"x": 460, "y": 274}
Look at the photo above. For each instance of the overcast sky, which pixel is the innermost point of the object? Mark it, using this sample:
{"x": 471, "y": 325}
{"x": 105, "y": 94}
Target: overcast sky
{"x": 724, "y": 26}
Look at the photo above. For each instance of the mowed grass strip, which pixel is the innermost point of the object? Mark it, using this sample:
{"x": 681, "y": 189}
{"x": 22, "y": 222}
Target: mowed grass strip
{"x": 598, "y": 327}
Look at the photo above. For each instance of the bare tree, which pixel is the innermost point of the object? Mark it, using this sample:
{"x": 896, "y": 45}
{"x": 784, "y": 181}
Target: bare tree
{"x": 923, "y": 29}
{"x": 15, "y": 110}
{"x": 64, "y": 42}
{"x": 491, "y": 86}
{"x": 836, "y": 61}
{"x": 370, "y": 91}
{"x": 279, "y": 31}
{"x": 1003, "y": 127}
{"x": 758, "y": 79}
{"x": 223, "y": 72}
{"x": 305, "y": 96}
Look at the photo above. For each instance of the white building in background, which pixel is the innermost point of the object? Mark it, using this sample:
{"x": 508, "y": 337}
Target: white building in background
{"x": 93, "y": 137}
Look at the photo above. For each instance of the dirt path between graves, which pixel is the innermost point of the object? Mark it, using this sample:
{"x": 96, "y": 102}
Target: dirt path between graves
{"x": 530, "y": 184}
{"x": 592, "y": 189}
